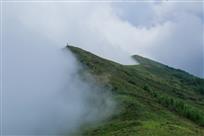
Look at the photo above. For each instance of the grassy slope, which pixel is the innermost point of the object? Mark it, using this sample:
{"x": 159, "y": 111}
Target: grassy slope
{"x": 141, "y": 113}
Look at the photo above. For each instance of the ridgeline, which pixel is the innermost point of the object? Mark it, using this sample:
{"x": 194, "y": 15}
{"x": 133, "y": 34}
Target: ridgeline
{"x": 153, "y": 99}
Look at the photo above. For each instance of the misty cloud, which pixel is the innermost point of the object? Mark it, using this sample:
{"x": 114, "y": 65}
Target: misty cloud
{"x": 43, "y": 93}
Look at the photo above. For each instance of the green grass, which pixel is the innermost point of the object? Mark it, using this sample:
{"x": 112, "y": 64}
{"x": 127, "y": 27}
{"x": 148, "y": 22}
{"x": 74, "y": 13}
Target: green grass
{"x": 148, "y": 96}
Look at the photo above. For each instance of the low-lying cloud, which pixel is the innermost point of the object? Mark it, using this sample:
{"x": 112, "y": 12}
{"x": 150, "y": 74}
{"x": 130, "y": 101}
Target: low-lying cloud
{"x": 44, "y": 94}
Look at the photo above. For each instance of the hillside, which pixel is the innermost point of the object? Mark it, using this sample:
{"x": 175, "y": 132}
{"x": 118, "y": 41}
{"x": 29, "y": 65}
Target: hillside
{"x": 153, "y": 99}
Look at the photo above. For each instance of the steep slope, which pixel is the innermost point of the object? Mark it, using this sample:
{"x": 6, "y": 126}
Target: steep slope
{"x": 153, "y": 99}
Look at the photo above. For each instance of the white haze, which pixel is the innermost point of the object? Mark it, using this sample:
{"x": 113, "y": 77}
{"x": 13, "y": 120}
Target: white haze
{"x": 44, "y": 94}
{"x": 77, "y": 24}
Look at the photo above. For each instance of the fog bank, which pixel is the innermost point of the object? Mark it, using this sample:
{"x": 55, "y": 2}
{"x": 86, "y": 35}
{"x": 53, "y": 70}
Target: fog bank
{"x": 44, "y": 93}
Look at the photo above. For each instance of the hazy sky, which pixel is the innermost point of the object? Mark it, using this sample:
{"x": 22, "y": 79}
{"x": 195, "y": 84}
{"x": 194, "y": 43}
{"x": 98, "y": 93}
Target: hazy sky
{"x": 169, "y": 32}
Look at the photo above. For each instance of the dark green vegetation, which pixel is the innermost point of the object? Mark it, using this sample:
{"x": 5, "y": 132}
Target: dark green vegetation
{"x": 153, "y": 99}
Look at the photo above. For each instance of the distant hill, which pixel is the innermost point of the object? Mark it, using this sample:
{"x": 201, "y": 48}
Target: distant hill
{"x": 154, "y": 99}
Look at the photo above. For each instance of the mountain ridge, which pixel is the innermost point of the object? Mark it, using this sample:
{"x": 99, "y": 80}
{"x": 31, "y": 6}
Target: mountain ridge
{"x": 155, "y": 98}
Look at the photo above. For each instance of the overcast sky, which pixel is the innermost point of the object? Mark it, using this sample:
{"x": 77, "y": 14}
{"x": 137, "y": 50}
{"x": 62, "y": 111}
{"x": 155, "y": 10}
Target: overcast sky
{"x": 169, "y": 32}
